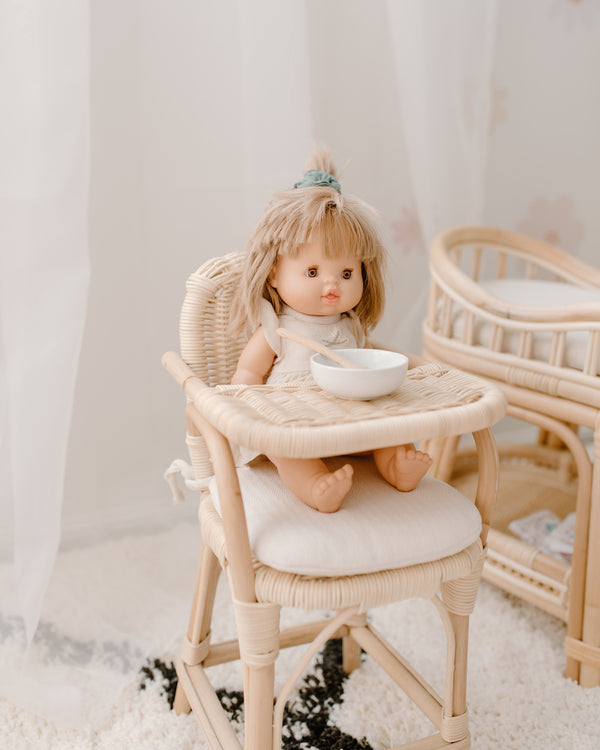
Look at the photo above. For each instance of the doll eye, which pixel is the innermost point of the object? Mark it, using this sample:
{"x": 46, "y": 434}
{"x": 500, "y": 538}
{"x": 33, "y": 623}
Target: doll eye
{"x": 347, "y": 273}
{"x": 312, "y": 272}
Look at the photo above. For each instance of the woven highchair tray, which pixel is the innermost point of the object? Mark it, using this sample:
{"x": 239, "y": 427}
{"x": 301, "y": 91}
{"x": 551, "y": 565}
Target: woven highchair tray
{"x": 299, "y": 419}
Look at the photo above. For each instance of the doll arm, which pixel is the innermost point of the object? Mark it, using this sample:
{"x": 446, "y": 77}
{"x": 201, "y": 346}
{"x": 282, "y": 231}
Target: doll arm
{"x": 255, "y": 361}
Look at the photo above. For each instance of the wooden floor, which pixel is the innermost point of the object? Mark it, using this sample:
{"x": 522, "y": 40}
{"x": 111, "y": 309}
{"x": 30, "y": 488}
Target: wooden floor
{"x": 522, "y": 489}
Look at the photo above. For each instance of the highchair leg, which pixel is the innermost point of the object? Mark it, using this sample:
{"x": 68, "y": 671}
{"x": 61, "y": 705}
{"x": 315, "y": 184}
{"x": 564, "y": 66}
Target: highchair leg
{"x": 201, "y": 614}
{"x": 460, "y": 626}
{"x": 454, "y": 721}
{"x": 455, "y": 608}
{"x": 259, "y": 687}
{"x": 351, "y": 653}
{"x": 181, "y": 704}
{"x": 258, "y": 636}
{"x": 351, "y": 649}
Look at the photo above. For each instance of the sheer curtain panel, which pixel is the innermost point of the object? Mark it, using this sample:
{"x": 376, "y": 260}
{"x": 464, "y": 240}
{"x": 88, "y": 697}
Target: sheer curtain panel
{"x": 44, "y": 145}
{"x": 443, "y": 55}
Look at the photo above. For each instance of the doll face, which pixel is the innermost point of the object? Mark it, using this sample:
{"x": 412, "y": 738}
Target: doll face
{"x": 314, "y": 284}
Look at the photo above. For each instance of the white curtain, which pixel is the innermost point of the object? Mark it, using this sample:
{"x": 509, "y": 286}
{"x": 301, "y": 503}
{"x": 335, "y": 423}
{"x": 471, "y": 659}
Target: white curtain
{"x": 82, "y": 653}
{"x": 443, "y": 54}
{"x": 44, "y": 153}
{"x": 196, "y": 113}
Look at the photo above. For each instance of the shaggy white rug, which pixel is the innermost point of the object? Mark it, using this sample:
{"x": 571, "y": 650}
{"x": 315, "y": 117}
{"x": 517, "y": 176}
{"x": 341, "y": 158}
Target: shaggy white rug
{"x": 98, "y": 676}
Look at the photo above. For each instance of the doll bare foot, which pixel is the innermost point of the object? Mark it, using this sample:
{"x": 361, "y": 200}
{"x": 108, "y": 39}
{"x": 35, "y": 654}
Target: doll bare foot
{"x": 312, "y": 482}
{"x": 402, "y": 466}
{"x": 331, "y": 488}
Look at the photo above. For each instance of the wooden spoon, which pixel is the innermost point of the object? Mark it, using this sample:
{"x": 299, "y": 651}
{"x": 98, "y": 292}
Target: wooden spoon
{"x": 320, "y": 348}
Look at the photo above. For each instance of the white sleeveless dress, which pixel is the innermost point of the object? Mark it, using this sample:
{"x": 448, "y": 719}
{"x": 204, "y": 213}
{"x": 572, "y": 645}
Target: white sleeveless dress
{"x": 292, "y": 362}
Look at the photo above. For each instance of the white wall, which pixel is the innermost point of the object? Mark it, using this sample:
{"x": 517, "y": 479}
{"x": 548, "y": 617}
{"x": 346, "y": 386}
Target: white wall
{"x": 544, "y": 154}
{"x": 170, "y": 187}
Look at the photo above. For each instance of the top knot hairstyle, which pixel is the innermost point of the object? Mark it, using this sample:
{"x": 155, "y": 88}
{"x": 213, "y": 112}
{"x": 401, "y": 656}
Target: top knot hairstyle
{"x": 314, "y": 207}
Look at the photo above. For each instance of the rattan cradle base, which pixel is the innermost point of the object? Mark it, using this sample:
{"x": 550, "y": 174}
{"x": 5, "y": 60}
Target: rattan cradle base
{"x": 525, "y": 341}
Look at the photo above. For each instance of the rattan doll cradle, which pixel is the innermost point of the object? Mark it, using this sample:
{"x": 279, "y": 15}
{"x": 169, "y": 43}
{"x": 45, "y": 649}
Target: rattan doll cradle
{"x": 304, "y": 421}
{"x": 527, "y": 316}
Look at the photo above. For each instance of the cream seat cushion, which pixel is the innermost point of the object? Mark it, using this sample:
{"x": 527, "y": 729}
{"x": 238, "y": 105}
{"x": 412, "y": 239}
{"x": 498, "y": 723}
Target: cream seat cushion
{"x": 377, "y": 528}
{"x": 536, "y": 293}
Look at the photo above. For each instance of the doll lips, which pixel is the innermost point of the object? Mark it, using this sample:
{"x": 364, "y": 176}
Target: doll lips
{"x": 331, "y": 296}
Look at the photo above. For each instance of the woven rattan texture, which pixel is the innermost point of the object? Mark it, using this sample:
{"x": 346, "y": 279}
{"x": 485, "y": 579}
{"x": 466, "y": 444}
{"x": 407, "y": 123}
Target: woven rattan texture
{"x": 305, "y": 404}
{"x": 303, "y": 421}
{"x": 206, "y": 342}
{"x": 371, "y": 589}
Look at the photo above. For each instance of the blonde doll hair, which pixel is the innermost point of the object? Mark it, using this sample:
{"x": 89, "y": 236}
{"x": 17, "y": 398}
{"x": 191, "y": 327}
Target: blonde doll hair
{"x": 294, "y": 217}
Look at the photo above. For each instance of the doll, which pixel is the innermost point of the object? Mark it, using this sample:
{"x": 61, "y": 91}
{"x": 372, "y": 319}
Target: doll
{"x": 315, "y": 265}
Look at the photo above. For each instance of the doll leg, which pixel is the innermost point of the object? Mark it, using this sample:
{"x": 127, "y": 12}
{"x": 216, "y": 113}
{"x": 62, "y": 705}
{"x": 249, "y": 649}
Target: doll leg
{"x": 402, "y": 466}
{"x": 312, "y": 482}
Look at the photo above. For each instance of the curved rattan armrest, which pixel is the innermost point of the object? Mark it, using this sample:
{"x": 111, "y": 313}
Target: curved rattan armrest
{"x": 183, "y": 374}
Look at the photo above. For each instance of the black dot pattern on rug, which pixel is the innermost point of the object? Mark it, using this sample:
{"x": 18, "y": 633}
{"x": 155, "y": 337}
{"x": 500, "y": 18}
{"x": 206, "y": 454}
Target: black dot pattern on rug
{"x": 159, "y": 671}
{"x": 306, "y": 721}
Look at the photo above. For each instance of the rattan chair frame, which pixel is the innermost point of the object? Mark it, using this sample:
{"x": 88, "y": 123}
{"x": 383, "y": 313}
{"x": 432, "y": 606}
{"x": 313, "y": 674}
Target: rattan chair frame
{"x": 554, "y": 397}
{"x": 207, "y": 362}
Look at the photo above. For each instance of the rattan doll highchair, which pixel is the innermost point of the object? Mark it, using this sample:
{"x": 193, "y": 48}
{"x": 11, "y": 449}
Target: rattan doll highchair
{"x": 527, "y": 316}
{"x": 382, "y": 546}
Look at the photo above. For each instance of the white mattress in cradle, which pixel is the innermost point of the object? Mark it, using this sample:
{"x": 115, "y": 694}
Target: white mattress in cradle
{"x": 535, "y": 293}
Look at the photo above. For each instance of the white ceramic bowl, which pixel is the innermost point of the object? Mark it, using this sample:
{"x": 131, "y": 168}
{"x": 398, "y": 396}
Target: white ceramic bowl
{"x": 386, "y": 372}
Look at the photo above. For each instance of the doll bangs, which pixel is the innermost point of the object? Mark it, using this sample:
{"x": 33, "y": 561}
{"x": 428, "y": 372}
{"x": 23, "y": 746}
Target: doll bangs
{"x": 340, "y": 223}
{"x": 343, "y": 233}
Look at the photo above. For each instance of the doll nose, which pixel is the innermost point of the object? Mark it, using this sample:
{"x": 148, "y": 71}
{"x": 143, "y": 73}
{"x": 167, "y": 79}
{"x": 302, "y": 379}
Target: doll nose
{"x": 331, "y": 280}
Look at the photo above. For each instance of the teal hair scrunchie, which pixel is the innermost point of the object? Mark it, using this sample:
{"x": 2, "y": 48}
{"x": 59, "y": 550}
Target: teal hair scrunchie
{"x": 315, "y": 177}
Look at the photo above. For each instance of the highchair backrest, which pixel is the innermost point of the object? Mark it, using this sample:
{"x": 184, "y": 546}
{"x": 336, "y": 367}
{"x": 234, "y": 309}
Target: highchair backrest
{"x": 206, "y": 344}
